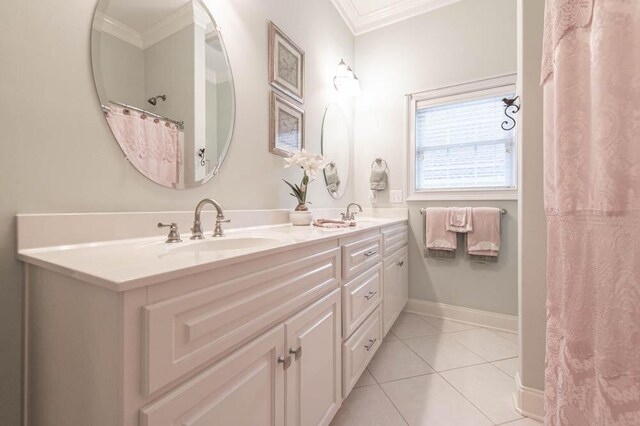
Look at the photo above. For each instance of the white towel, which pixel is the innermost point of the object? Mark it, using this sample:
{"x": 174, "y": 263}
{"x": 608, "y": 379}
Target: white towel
{"x": 331, "y": 177}
{"x": 378, "y": 179}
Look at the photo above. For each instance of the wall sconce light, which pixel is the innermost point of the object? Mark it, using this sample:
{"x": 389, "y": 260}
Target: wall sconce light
{"x": 345, "y": 81}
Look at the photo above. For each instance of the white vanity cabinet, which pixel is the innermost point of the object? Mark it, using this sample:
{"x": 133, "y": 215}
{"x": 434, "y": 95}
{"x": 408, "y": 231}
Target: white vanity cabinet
{"x": 289, "y": 375}
{"x": 374, "y": 292}
{"x": 274, "y": 338}
{"x": 395, "y": 292}
{"x": 246, "y": 388}
{"x": 313, "y": 378}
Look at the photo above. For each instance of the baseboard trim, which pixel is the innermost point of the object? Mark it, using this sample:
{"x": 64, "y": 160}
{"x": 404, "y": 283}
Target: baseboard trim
{"x": 466, "y": 315}
{"x": 528, "y": 402}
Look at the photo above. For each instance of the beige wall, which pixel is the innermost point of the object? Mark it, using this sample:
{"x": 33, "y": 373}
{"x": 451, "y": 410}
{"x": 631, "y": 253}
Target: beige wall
{"x": 58, "y": 155}
{"x": 466, "y": 41}
{"x": 533, "y": 242}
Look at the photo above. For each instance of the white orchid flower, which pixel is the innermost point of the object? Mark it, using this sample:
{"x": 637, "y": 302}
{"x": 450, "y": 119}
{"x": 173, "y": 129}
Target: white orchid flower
{"x": 293, "y": 160}
{"x": 311, "y": 164}
{"x": 314, "y": 165}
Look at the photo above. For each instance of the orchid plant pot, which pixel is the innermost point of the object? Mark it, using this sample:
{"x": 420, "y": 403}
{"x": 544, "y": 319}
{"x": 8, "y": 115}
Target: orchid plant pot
{"x": 300, "y": 217}
{"x": 311, "y": 166}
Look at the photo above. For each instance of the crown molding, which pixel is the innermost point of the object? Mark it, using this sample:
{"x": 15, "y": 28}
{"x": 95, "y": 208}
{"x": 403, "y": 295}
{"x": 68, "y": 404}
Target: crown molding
{"x": 190, "y": 13}
{"x": 117, "y": 29}
{"x": 403, "y": 9}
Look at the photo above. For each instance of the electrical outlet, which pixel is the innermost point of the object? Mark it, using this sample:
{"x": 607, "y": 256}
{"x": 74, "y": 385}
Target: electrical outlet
{"x": 395, "y": 196}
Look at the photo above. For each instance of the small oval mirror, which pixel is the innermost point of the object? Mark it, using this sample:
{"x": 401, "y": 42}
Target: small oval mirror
{"x": 165, "y": 86}
{"x": 336, "y": 148}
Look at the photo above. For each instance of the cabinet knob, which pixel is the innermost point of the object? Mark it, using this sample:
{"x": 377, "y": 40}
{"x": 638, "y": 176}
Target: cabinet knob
{"x": 371, "y": 343}
{"x": 401, "y": 263}
{"x": 296, "y": 352}
{"x": 286, "y": 362}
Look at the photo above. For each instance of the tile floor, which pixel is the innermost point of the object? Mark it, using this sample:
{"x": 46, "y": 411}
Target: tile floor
{"x": 436, "y": 372}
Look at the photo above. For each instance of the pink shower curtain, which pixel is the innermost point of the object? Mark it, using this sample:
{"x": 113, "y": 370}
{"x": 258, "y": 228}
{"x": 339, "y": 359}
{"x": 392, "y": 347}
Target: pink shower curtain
{"x": 591, "y": 77}
{"x": 151, "y": 145}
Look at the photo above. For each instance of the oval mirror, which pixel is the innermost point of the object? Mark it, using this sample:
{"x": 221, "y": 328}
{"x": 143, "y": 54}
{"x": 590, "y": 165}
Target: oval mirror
{"x": 336, "y": 148}
{"x": 165, "y": 86}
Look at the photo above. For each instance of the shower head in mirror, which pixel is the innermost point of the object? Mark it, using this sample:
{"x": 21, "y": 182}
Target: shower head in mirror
{"x": 154, "y": 100}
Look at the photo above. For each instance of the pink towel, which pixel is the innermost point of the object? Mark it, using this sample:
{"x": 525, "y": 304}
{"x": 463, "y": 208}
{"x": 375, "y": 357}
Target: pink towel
{"x": 438, "y": 238}
{"x": 485, "y": 238}
{"x": 459, "y": 219}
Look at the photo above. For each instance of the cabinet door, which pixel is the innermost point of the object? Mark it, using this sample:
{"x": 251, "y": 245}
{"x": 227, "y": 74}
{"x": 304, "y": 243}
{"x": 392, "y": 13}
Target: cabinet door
{"x": 313, "y": 377}
{"x": 395, "y": 287}
{"x": 244, "y": 389}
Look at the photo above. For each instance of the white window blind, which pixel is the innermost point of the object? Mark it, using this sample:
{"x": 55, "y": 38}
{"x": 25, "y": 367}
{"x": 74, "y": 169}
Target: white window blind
{"x": 461, "y": 145}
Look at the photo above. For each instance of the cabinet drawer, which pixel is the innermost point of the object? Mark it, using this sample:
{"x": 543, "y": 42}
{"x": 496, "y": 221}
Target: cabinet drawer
{"x": 360, "y": 297}
{"x": 360, "y": 253}
{"x": 220, "y": 394}
{"x": 394, "y": 237}
{"x": 359, "y": 349}
{"x": 184, "y": 332}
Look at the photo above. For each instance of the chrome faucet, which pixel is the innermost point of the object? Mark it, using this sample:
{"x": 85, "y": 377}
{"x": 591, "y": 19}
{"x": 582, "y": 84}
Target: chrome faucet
{"x": 348, "y": 215}
{"x": 196, "y": 231}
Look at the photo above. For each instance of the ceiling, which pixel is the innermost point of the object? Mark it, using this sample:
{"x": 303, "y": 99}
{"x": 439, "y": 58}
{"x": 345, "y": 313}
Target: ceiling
{"x": 367, "y": 15}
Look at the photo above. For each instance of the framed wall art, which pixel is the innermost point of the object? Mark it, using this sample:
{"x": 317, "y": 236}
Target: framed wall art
{"x": 286, "y": 126}
{"x": 286, "y": 64}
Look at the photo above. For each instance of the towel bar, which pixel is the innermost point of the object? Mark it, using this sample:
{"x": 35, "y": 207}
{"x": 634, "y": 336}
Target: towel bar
{"x": 502, "y": 211}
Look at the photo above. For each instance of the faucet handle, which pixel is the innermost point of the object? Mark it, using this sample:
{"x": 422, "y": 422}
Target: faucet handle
{"x": 174, "y": 236}
{"x": 217, "y": 231}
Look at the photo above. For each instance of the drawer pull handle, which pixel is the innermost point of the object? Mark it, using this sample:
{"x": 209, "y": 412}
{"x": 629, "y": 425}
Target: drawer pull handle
{"x": 370, "y": 345}
{"x": 370, "y": 253}
{"x": 286, "y": 362}
{"x": 370, "y": 295}
{"x": 296, "y": 352}
{"x": 401, "y": 263}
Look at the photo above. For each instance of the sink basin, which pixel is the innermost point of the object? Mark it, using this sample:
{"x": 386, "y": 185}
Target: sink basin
{"x": 369, "y": 219}
{"x": 224, "y": 243}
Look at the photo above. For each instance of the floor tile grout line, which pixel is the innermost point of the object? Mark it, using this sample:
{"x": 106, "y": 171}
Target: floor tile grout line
{"x": 475, "y": 352}
{"x": 450, "y": 384}
{"x": 485, "y": 361}
{"x": 465, "y": 397}
{"x": 402, "y": 340}
{"x": 394, "y": 405}
{"x": 406, "y": 378}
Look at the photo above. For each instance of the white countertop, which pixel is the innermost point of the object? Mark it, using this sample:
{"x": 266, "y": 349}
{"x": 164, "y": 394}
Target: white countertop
{"x": 127, "y": 264}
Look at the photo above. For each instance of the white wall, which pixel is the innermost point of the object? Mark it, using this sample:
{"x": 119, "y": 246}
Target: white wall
{"x": 58, "y": 155}
{"x": 466, "y": 41}
{"x": 533, "y": 231}
{"x": 121, "y": 69}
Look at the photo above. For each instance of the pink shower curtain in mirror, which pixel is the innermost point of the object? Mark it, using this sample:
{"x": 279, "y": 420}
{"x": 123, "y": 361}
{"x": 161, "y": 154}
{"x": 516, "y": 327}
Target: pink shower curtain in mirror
{"x": 151, "y": 145}
{"x": 591, "y": 78}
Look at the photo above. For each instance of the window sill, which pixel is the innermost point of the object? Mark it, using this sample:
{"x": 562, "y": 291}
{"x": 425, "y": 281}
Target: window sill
{"x": 463, "y": 195}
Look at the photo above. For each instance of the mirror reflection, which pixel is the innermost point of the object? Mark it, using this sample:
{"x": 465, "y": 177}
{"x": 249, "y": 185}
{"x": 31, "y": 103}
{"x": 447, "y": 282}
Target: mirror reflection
{"x": 336, "y": 148}
{"x": 165, "y": 86}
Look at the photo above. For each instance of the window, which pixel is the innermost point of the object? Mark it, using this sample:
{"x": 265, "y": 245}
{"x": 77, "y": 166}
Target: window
{"x": 458, "y": 147}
